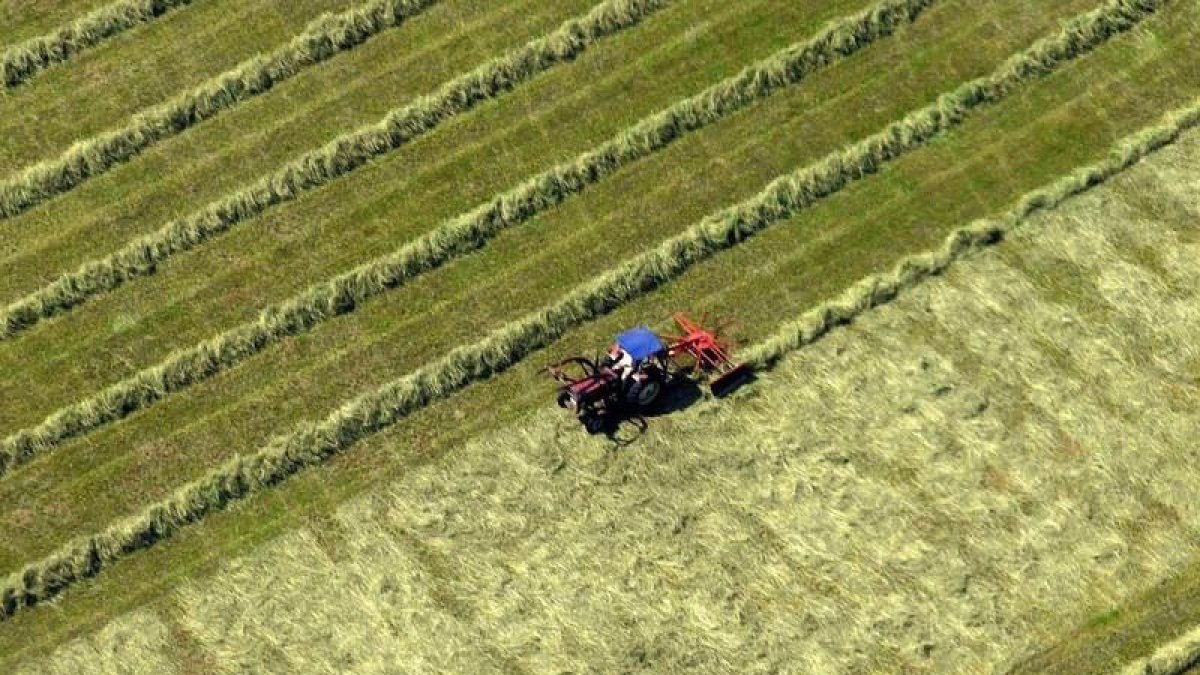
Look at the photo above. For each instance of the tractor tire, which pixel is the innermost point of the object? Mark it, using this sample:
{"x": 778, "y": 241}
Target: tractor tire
{"x": 564, "y": 399}
{"x": 593, "y": 424}
{"x": 645, "y": 393}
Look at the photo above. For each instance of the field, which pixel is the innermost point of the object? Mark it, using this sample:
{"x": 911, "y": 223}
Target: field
{"x": 271, "y": 365}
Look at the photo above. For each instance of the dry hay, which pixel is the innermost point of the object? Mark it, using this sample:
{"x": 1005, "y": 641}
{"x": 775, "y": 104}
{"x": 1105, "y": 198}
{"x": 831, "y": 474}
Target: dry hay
{"x": 342, "y": 155}
{"x": 134, "y": 644}
{"x": 312, "y": 443}
{"x": 990, "y": 459}
{"x": 458, "y": 235}
{"x": 323, "y": 38}
{"x": 371, "y": 609}
{"x": 22, "y": 61}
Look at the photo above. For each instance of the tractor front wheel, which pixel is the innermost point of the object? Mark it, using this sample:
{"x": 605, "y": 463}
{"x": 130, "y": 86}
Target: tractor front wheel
{"x": 593, "y": 424}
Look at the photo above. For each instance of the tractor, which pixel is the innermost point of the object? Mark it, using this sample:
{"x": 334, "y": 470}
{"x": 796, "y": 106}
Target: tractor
{"x": 640, "y": 365}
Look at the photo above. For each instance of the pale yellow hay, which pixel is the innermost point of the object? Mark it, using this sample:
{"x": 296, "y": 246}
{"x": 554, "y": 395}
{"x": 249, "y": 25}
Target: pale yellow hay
{"x": 1173, "y": 175}
{"x": 1094, "y": 474}
{"x": 134, "y": 644}
{"x": 941, "y": 487}
{"x": 289, "y": 608}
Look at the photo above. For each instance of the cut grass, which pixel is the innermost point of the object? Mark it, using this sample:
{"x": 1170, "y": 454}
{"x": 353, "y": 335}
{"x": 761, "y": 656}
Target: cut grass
{"x": 325, "y": 37}
{"x": 463, "y": 234}
{"x": 23, "y": 19}
{"x": 101, "y": 88}
{"x": 426, "y": 438}
{"x": 368, "y": 414}
{"x": 137, "y": 457}
{"x": 1177, "y": 657}
{"x": 137, "y": 643}
{"x": 875, "y": 290}
{"x": 412, "y": 608}
{"x": 884, "y": 516}
{"x": 965, "y": 535}
{"x": 22, "y": 61}
{"x": 387, "y": 205}
{"x": 340, "y": 156}
{"x": 185, "y": 172}
{"x": 919, "y": 190}
{"x": 157, "y": 449}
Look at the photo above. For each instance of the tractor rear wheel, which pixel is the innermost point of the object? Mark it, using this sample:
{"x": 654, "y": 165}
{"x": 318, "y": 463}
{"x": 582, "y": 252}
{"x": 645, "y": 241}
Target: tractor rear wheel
{"x": 644, "y": 393}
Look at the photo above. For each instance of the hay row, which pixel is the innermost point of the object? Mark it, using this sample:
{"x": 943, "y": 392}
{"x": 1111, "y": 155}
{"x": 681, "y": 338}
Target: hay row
{"x": 320, "y": 166}
{"x": 323, "y": 38}
{"x": 26, "y": 59}
{"x": 878, "y": 289}
{"x": 896, "y": 484}
{"x": 1172, "y": 658}
{"x": 311, "y": 443}
{"x": 461, "y": 234}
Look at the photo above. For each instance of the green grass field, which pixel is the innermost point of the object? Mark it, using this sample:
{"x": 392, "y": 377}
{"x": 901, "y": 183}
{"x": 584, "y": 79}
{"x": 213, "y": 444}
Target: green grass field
{"x": 988, "y": 474}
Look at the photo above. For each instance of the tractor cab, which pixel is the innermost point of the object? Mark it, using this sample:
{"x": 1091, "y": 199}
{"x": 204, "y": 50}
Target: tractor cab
{"x": 643, "y": 348}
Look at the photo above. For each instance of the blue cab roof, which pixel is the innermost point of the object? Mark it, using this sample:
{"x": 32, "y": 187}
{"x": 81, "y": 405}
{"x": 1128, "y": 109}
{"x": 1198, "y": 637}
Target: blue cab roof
{"x": 640, "y": 343}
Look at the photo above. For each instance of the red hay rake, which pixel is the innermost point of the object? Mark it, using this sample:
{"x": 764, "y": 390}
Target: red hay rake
{"x": 709, "y": 353}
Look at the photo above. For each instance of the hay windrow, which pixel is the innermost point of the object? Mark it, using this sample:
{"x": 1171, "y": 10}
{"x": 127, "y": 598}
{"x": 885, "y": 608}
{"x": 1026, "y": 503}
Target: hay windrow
{"x": 323, "y": 38}
{"x": 338, "y": 157}
{"x": 879, "y": 289}
{"x": 310, "y": 444}
{"x": 465, "y": 233}
{"x": 869, "y": 505}
{"x": 378, "y": 588}
{"x": 1172, "y": 658}
{"x": 22, "y": 61}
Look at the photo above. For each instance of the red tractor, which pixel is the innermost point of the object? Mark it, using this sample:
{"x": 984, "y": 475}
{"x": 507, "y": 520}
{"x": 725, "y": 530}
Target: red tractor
{"x": 638, "y": 367}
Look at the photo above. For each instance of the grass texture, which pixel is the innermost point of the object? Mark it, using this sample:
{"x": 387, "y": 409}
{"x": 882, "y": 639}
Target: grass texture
{"x": 318, "y": 167}
{"x": 922, "y": 491}
{"x": 365, "y": 550}
{"x": 462, "y": 234}
{"x": 22, "y": 61}
{"x": 137, "y": 643}
{"x": 1173, "y": 658}
{"x": 325, "y": 37}
{"x": 878, "y": 289}
{"x": 311, "y": 444}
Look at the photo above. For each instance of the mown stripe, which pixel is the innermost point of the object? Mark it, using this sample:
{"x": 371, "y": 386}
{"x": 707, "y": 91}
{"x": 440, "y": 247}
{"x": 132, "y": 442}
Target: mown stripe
{"x": 337, "y": 158}
{"x": 22, "y": 61}
{"x": 311, "y": 444}
{"x": 880, "y": 289}
{"x": 459, "y": 235}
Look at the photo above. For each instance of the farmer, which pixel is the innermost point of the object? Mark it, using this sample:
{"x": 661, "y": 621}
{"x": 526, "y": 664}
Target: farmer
{"x": 619, "y": 361}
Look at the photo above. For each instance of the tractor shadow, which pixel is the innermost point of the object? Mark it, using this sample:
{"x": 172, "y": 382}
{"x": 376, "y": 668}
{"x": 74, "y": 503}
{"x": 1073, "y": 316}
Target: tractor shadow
{"x": 681, "y": 394}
